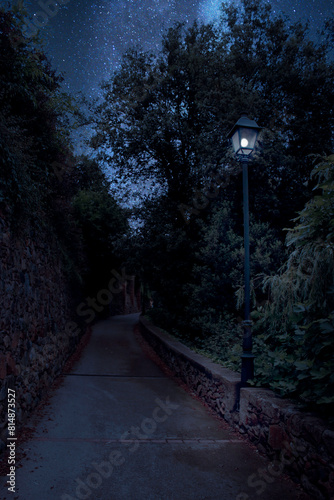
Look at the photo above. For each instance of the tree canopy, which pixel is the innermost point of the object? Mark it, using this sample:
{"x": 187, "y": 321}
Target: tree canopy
{"x": 165, "y": 118}
{"x": 43, "y": 186}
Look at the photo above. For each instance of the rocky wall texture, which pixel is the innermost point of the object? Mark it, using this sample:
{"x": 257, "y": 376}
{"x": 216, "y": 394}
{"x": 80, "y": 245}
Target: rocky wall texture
{"x": 280, "y": 429}
{"x": 36, "y": 336}
{"x": 298, "y": 443}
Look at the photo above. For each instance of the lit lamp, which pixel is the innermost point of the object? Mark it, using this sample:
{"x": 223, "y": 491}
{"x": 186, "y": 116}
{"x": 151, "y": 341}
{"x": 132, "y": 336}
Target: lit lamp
{"x": 244, "y": 136}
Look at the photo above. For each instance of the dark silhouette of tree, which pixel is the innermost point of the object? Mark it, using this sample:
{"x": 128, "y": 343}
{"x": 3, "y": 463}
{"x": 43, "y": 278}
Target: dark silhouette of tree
{"x": 43, "y": 186}
{"x": 165, "y": 119}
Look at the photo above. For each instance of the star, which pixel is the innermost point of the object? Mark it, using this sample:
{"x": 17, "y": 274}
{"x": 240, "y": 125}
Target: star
{"x": 96, "y": 32}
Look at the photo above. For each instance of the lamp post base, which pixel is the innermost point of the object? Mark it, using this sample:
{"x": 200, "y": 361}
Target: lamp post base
{"x": 247, "y": 367}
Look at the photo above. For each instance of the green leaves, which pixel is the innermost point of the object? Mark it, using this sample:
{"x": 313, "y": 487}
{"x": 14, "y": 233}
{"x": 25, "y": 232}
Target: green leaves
{"x": 317, "y": 221}
{"x": 298, "y": 324}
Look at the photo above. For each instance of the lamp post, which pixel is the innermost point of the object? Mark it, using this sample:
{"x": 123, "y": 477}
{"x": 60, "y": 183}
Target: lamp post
{"x": 244, "y": 135}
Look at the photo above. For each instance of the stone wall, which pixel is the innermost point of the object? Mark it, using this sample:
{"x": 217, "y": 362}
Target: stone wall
{"x": 36, "y": 336}
{"x": 298, "y": 443}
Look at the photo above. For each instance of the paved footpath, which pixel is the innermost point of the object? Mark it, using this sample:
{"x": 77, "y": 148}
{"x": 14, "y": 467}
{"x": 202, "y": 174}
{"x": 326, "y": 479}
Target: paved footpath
{"x": 118, "y": 428}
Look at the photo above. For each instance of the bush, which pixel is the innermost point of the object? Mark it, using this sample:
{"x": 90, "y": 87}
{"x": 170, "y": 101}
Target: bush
{"x": 295, "y": 341}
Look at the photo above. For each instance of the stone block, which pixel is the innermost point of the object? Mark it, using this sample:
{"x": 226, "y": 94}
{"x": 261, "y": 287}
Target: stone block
{"x": 27, "y": 398}
{"x": 245, "y": 406}
{"x": 294, "y": 423}
{"x": 271, "y": 410}
{"x": 328, "y": 440}
{"x": 15, "y": 340}
{"x": 300, "y": 447}
{"x": 3, "y": 366}
{"x": 6, "y": 341}
{"x": 11, "y": 365}
{"x": 314, "y": 428}
{"x": 277, "y": 437}
{"x": 3, "y": 391}
{"x": 254, "y": 433}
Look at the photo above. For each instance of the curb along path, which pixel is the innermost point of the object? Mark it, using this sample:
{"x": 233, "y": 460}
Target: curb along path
{"x": 118, "y": 428}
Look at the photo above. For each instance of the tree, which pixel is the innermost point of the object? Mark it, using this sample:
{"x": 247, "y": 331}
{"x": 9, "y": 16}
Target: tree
{"x": 103, "y": 223}
{"x": 165, "y": 120}
{"x": 42, "y": 185}
{"x": 218, "y": 275}
{"x": 33, "y": 121}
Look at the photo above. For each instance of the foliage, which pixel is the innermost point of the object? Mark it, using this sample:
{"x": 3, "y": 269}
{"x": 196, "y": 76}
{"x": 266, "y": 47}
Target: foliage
{"x": 42, "y": 185}
{"x": 317, "y": 218}
{"x": 222, "y": 344}
{"x": 33, "y": 121}
{"x": 217, "y": 277}
{"x": 218, "y": 273}
{"x": 103, "y": 225}
{"x": 34, "y": 139}
{"x": 296, "y": 335}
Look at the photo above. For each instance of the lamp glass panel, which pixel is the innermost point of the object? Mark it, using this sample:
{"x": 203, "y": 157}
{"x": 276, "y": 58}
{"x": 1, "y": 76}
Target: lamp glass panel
{"x": 250, "y": 135}
{"x": 235, "y": 141}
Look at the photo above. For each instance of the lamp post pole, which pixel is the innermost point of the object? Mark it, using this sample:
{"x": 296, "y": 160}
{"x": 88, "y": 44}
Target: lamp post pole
{"x": 247, "y": 358}
{"x": 244, "y": 135}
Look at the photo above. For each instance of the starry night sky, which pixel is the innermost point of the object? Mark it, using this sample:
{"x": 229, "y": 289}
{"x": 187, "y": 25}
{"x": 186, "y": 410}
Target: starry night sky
{"x": 85, "y": 38}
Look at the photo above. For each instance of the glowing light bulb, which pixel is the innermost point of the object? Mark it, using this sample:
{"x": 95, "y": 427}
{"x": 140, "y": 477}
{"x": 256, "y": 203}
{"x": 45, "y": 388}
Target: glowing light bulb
{"x": 244, "y": 143}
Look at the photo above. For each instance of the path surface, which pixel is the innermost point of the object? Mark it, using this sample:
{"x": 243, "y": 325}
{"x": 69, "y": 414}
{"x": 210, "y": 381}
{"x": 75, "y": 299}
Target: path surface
{"x": 118, "y": 428}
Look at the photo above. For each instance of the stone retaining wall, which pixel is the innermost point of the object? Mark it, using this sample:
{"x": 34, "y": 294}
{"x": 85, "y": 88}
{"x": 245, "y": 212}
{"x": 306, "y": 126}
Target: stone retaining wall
{"x": 36, "y": 335}
{"x": 298, "y": 443}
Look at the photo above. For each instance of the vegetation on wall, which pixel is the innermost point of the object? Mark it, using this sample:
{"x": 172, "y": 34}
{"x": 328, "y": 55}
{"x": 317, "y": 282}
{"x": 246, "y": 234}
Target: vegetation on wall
{"x": 295, "y": 336}
{"x": 43, "y": 186}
